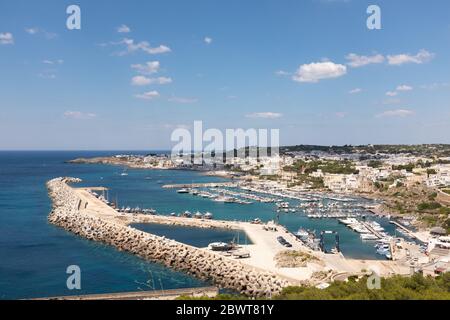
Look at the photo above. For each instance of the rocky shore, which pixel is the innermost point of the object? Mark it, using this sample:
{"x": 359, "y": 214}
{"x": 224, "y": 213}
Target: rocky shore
{"x": 69, "y": 213}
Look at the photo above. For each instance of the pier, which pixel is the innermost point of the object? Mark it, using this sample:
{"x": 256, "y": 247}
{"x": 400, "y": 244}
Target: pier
{"x": 372, "y": 230}
{"x": 410, "y": 233}
{"x": 170, "y": 294}
{"x": 201, "y": 185}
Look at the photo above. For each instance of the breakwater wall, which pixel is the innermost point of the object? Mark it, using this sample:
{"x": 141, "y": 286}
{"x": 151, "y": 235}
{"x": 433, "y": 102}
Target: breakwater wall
{"x": 68, "y": 213}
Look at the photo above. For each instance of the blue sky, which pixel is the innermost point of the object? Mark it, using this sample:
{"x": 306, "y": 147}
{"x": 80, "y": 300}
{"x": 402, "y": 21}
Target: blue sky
{"x": 139, "y": 69}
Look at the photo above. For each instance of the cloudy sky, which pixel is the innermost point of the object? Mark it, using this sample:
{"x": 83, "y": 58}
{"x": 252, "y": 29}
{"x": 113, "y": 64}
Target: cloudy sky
{"x": 138, "y": 70}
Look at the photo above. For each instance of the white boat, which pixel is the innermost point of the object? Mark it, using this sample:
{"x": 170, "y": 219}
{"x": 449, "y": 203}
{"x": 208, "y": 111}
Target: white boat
{"x": 208, "y": 215}
{"x": 301, "y": 233}
{"x": 198, "y": 215}
{"x": 220, "y": 246}
{"x": 184, "y": 190}
{"x": 187, "y": 214}
{"x": 368, "y": 237}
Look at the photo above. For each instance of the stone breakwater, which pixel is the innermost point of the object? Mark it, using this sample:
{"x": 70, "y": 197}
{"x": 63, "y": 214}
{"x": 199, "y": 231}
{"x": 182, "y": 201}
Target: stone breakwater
{"x": 222, "y": 271}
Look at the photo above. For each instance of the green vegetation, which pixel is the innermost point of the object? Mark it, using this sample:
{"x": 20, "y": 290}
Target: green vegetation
{"x": 416, "y": 287}
{"x": 427, "y": 206}
{"x": 375, "y": 164}
{"x": 428, "y": 150}
{"x": 408, "y": 167}
{"x": 336, "y": 167}
{"x": 447, "y": 225}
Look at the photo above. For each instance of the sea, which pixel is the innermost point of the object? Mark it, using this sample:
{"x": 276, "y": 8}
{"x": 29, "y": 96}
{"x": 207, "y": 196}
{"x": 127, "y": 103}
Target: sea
{"x": 35, "y": 255}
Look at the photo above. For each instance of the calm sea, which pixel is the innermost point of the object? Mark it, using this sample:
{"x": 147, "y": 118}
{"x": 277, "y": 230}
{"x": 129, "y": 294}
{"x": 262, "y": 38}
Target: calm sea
{"x": 34, "y": 255}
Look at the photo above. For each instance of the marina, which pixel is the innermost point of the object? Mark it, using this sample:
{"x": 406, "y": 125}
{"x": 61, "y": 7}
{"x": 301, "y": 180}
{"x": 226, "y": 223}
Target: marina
{"x": 267, "y": 240}
{"x": 283, "y": 205}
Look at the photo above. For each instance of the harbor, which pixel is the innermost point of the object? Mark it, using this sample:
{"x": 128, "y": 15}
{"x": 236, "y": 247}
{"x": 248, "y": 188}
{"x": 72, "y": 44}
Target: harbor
{"x": 268, "y": 240}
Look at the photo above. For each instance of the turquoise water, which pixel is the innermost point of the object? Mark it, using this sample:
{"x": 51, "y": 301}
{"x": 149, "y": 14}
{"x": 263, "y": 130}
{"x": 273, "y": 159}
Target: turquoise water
{"x": 34, "y": 255}
{"x": 193, "y": 236}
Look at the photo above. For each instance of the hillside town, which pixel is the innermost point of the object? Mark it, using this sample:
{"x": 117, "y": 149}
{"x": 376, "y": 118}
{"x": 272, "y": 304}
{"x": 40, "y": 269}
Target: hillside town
{"x": 413, "y": 184}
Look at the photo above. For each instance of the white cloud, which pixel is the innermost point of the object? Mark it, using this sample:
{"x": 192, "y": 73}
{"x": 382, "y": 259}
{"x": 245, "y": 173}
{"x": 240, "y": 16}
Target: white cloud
{"x": 265, "y": 115}
{"x": 314, "y": 72}
{"x": 140, "y": 81}
{"x": 208, "y": 40}
{"x": 31, "y": 30}
{"x": 183, "y": 100}
{"x": 36, "y": 30}
{"x": 157, "y": 50}
{"x": 356, "y": 61}
{"x": 78, "y": 115}
{"x": 282, "y": 73}
{"x": 422, "y": 56}
{"x": 392, "y": 93}
{"x": 123, "y": 29}
{"x": 355, "y": 91}
{"x": 53, "y": 62}
{"x": 161, "y": 80}
{"x": 6, "y": 38}
{"x": 396, "y": 113}
{"x": 147, "y": 68}
{"x": 143, "y": 81}
{"x": 150, "y": 95}
{"x": 435, "y": 85}
{"x": 132, "y": 46}
{"x": 404, "y": 87}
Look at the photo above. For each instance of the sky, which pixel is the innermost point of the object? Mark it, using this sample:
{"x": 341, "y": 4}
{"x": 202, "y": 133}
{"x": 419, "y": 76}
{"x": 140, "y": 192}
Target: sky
{"x": 137, "y": 70}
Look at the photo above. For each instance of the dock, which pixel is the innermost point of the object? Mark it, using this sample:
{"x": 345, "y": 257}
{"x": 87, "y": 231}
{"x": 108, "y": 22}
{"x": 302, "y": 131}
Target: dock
{"x": 201, "y": 185}
{"x": 372, "y": 230}
{"x": 409, "y": 232}
{"x": 170, "y": 294}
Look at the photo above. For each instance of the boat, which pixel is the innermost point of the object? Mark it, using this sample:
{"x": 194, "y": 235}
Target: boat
{"x": 183, "y": 190}
{"x": 220, "y": 246}
{"x": 368, "y": 237}
{"x": 256, "y": 221}
{"x": 186, "y": 214}
{"x": 208, "y": 215}
{"x": 302, "y": 234}
{"x": 198, "y": 215}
